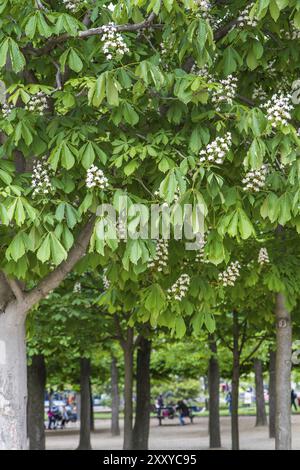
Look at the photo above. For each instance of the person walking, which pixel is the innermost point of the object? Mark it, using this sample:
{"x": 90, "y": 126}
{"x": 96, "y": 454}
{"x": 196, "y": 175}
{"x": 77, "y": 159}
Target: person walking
{"x": 293, "y": 400}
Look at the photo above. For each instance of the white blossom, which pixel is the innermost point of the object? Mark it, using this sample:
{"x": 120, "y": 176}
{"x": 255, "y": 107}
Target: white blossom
{"x": 95, "y": 178}
{"x": 179, "y": 289}
{"x": 37, "y": 103}
{"x": 255, "y": 180}
{"x": 40, "y": 180}
{"x": 106, "y": 282}
{"x": 160, "y": 259}
{"x": 279, "y": 109}
{"x": 225, "y": 92}
{"x": 244, "y": 17}
{"x": 7, "y": 109}
{"x": 72, "y": 5}
{"x": 216, "y": 151}
{"x": 231, "y": 274}
{"x": 200, "y": 255}
{"x": 263, "y": 256}
{"x": 259, "y": 93}
{"x": 113, "y": 42}
{"x": 77, "y": 287}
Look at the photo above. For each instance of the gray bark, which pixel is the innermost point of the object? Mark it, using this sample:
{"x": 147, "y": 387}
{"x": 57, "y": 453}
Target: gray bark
{"x": 143, "y": 386}
{"x": 36, "y": 375}
{"x": 85, "y": 405}
{"x": 115, "y": 403}
{"x": 272, "y": 394}
{"x": 128, "y": 349}
{"x": 13, "y": 380}
{"x": 283, "y": 434}
{"x": 214, "y": 396}
{"x": 261, "y": 416}
{"x": 235, "y": 385}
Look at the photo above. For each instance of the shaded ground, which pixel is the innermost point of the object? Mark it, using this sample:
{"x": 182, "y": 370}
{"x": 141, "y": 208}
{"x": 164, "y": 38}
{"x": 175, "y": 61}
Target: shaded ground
{"x": 175, "y": 437}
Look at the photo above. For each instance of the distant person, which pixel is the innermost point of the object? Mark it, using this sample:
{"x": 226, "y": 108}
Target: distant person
{"x": 293, "y": 399}
{"x": 183, "y": 411}
{"x": 159, "y": 404}
{"x": 51, "y": 419}
{"x": 229, "y": 401}
{"x": 65, "y": 417}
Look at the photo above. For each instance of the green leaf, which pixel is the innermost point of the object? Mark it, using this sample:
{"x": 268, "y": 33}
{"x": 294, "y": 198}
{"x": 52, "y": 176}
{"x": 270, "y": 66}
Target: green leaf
{"x": 67, "y": 158}
{"x": 44, "y": 250}
{"x": 74, "y": 61}
{"x": 3, "y": 52}
{"x": 87, "y": 155}
{"x": 17, "y": 58}
{"x": 112, "y": 91}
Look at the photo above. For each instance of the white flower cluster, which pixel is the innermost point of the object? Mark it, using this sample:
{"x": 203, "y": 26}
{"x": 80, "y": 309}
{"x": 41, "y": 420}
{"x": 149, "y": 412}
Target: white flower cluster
{"x": 244, "y": 17}
{"x": 71, "y": 5}
{"x": 160, "y": 259}
{"x": 255, "y": 180}
{"x": 259, "y": 94}
{"x": 114, "y": 43}
{"x": 40, "y": 180}
{"x": 106, "y": 282}
{"x": 216, "y": 151}
{"x": 77, "y": 287}
{"x": 7, "y": 109}
{"x": 204, "y": 5}
{"x": 179, "y": 289}
{"x": 203, "y": 72}
{"x": 37, "y": 103}
{"x": 293, "y": 34}
{"x": 263, "y": 256}
{"x": 279, "y": 109}
{"x": 121, "y": 230}
{"x": 95, "y": 178}
{"x": 231, "y": 274}
{"x": 225, "y": 92}
{"x": 200, "y": 255}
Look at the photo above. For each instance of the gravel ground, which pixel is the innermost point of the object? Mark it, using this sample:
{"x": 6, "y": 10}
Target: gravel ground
{"x": 171, "y": 436}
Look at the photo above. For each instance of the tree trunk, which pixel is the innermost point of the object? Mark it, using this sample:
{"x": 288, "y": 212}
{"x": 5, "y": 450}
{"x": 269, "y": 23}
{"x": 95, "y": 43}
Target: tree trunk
{"x": 85, "y": 405}
{"x": 235, "y": 385}
{"x": 214, "y": 396}
{"x": 272, "y": 393}
{"x": 91, "y": 406}
{"x": 261, "y": 416}
{"x": 128, "y": 390}
{"x": 36, "y": 376}
{"x": 115, "y": 398}
{"x": 283, "y": 436}
{"x": 13, "y": 380}
{"x": 143, "y": 398}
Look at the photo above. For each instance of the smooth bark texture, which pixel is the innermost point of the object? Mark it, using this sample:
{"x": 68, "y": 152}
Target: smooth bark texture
{"x": 261, "y": 415}
{"x": 14, "y": 306}
{"x": 272, "y": 394}
{"x": 283, "y": 435}
{"x": 235, "y": 384}
{"x": 36, "y": 377}
{"x": 143, "y": 398}
{"x": 214, "y": 396}
{"x": 128, "y": 349}
{"x": 91, "y": 406}
{"x": 85, "y": 405}
{"x": 13, "y": 381}
{"x": 115, "y": 398}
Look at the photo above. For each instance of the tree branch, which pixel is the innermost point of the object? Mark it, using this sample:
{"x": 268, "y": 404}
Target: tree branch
{"x": 15, "y": 288}
{"x": 53, "y": 279}
{"x": 253, "y": 351}
{"x": 93, "y": 32}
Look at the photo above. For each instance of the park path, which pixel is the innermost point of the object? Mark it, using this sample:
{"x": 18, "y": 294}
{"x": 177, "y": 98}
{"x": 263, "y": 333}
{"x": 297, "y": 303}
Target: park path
{"x": 171, "y": 436}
